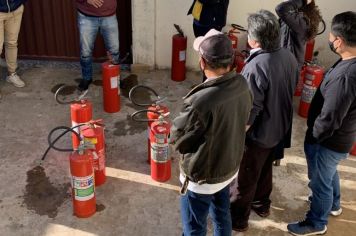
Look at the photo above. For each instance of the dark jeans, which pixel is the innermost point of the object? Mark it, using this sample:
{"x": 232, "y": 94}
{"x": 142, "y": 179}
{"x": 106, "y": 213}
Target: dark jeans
{"x": 195, "y": 208}
{"x": 254, "y": 182}
{"x": 324, "y": 182}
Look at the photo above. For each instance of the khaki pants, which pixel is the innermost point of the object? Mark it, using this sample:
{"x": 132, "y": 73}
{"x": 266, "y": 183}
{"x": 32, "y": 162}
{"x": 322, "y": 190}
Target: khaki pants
{"x": 9, "y": 31}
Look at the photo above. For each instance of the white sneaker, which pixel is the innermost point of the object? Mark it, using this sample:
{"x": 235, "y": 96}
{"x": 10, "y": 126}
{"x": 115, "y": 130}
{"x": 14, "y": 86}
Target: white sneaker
{"x": 336, "y": 213}
{"x": 15, "y": 80}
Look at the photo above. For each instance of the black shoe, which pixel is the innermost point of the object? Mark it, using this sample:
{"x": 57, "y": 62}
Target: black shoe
{"x": 261, "y": 211}
{"x": 239, "y": 226}
{"x": 84, "y": 85}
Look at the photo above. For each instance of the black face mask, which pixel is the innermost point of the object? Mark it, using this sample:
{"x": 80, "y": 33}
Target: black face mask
{"x": 332, "y": 48}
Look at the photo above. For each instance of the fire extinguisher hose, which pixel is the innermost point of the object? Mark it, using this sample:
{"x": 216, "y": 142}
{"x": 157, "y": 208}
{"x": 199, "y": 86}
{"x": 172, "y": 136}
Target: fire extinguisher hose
{"x": 324, "y": 27}
{"x": 132, "y": 93}
{"x": 51, "y": 143}
{"x": 57, "y": 93}
{"x": 238, "y": 27}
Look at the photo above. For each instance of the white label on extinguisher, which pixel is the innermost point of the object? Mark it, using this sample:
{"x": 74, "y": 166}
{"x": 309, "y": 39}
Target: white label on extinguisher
{"x": 83, "y": 187}
{"x": 182, "y": 55}
{"x": 113, "y": 82}
{"x": 99, "y": 160}
{"x": 77, "y": 129}
{"x": 159, "y": 152}
{"x": 308, "y": 93}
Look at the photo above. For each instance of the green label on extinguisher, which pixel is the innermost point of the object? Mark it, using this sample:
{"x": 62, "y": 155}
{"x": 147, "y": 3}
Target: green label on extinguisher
{"x": 83, "y": 187}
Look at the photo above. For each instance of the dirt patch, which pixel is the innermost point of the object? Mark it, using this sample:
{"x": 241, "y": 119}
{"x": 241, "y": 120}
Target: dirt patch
{"x": 41, "y": 195}
{"x": 100, "y": 207}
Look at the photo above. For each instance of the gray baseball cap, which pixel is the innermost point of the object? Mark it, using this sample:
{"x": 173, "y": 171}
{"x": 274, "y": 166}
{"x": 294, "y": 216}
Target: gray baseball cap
{"x": 214, "y": 46}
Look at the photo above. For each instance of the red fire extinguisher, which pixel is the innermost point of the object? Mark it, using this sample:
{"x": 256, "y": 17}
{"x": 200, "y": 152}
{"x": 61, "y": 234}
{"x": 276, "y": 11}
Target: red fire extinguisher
{"x": 82, "y": 172}
{"x": 83, "y": 189}
{"x": 240, "y": 61}
{"x": 153, "y": 111}
{"x": 233, "y": 37}
{"x": 179, "y": 49}
{"x": 94, "y": 133}
{"x": 299, "y": 88}
{"x": 81, "y": 112}
{"x": 111, "y": 84}
{"x": 309, "y": 49}
{"x": 160, "y": 159}
{"x": 313, "y": 77}
{"x": 153, "y": 114}
{"x": 353, "y": 151}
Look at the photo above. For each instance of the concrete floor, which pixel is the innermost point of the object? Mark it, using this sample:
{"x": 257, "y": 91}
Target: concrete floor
{"x": 36, "y": 201}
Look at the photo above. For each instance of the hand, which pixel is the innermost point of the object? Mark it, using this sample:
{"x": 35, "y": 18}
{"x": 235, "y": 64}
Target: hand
{"x": 309, "y": 1}
{"x": 95, "y": 3}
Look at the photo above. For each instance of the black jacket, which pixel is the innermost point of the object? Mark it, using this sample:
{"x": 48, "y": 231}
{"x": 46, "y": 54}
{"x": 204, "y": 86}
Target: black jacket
{"x": 214, "y": 12}
{"x": 332, "y": 112}
{"x": 210, "y": 130}
{"x": 272, "y": 78}
{"x": 294, "y": 28}
{"x": 10, "y": 5}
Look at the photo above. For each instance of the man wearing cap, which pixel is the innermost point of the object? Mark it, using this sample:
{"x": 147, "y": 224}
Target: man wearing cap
{"x": 271, "y": 74}
{"x": 209, "y": 133}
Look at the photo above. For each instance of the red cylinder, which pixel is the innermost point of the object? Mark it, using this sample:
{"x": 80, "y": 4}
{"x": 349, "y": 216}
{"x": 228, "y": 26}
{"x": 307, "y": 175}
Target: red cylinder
{"x": 313, "y": 77}
{"x": 234, "y": 39}
{"x": 239, "y": 62}
{"x": 95, "y": 135}
{"x": 353, "y": 151}
{"x": 81, "y": 112}
{"x": 299, "y": 88}
{"x": 309, "y": 49}
{"x": 160, "y": 160}
{"x": 111, "y": 91}
{"x": 179, "y": 49}
{"x": 83, "y": 189}
{"x": 153, "y": 116}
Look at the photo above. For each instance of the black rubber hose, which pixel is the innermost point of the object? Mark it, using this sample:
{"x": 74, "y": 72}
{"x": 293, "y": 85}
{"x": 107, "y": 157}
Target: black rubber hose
{"x": 132, "y": 92}
{"x": 51, "y": 143}
{"x": 324, "y": 27}
{"x": 238, "y": 27}
{"x": 133, "y": 115}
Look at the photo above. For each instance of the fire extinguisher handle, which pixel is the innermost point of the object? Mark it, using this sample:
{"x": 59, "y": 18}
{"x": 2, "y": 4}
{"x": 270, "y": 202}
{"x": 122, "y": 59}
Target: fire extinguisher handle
{"x": 132, "y": 93}
{"x": 134, "y": 115}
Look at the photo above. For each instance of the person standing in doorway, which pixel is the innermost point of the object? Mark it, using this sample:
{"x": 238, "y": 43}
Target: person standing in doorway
{"x": 10, "y": 23}
{"x": 271, "y": 73}
{"x": 299, "y": 21}
{"x": 209, "y": 133}
{"x": 95, "y": 15}
{"x": 207, "y": 15}
{"x": 331, "y": 129}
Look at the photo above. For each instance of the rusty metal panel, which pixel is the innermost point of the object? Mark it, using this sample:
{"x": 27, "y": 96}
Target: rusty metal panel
{"x": 49, "y": 31}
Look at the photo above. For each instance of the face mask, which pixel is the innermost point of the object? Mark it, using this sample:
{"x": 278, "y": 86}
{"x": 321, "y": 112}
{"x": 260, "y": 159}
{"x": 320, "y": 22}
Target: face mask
{"x": 332, "y": 48}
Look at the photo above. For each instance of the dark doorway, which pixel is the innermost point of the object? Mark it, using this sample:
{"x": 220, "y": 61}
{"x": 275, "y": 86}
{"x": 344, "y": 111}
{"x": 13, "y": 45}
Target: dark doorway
{"x": 49, "y": 31}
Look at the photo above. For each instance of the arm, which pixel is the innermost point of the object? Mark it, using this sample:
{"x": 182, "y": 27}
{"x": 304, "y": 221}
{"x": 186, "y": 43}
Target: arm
{"x": 288, "y": 12}
{"x": 96, "y": 3}
{"x": 188, "y": 130}
{"x": 338, "y": 98}
{"x": 257, "y": 84}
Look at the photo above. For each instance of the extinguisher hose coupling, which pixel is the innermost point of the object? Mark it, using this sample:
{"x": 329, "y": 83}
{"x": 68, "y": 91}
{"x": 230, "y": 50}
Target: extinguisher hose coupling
{"x": 133, "y": 91}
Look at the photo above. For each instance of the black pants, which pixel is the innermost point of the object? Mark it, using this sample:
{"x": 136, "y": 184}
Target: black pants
{"x": 201, "y": 31}
{"x": 254, "y": 181}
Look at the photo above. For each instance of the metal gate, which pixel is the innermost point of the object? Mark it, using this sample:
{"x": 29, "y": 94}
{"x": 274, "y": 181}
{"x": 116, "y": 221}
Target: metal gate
{"x": 49, "y": 31}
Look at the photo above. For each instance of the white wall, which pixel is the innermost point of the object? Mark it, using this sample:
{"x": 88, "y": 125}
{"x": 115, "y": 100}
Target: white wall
{"x": 153, "y": 27}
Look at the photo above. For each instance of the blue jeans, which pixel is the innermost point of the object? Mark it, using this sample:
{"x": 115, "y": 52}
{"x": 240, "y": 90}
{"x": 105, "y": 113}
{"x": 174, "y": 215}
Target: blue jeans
{"x": 324, "y": 182}
{"x": 195, "y": 208}
{"x": 88, "y": 28}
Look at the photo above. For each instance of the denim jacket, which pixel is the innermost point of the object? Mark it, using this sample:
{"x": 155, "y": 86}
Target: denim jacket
{"x": 10, "y": 5}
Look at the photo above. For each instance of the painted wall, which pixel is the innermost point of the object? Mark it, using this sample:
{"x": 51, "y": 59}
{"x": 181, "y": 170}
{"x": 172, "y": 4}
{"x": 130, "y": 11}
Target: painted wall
{"x": 153, "y": 27}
